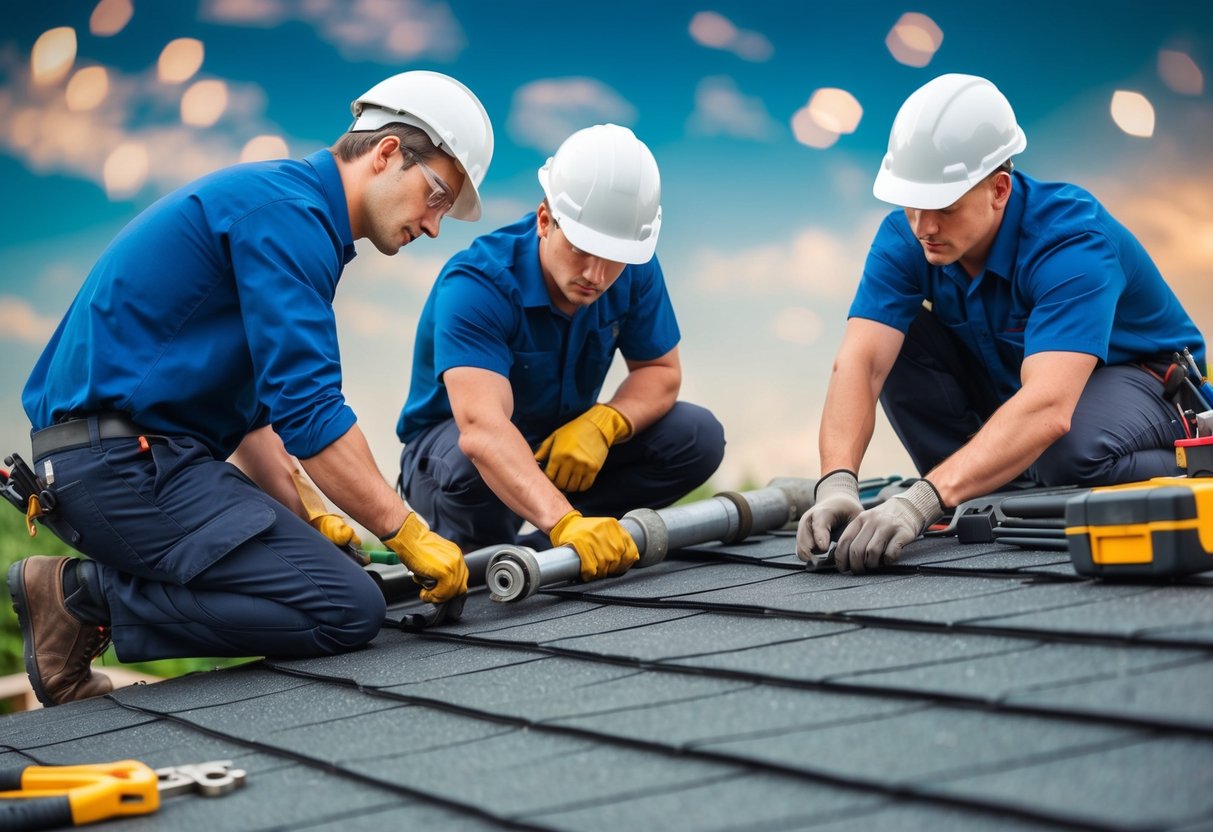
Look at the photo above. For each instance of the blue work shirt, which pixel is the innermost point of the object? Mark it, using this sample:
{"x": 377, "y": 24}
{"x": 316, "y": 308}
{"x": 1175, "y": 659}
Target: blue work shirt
{"x": 1062, "y": 275}
{"x": 490, "y": 309}
{"x": 210, "y": 314}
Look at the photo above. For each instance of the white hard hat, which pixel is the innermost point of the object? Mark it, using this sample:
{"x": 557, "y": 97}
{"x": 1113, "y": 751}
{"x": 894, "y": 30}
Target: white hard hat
{"x": 449, "y": 113}
{"x": 604, "y": 191}
{"x": 948, "y": 135}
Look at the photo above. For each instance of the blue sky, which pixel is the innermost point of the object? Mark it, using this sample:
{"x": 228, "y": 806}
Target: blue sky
{"x": 763, "y": 236}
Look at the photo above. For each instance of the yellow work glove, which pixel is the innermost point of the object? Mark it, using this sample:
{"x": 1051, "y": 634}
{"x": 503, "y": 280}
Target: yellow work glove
{"x": 576, "y": 451}
{"x": 436, "y": 563}
{"x": 600, "y": 542}
{"x": 332, "y": 526}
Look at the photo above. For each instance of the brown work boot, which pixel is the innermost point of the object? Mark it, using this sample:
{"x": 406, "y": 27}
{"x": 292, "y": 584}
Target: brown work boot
{"x": 59, "y": 649}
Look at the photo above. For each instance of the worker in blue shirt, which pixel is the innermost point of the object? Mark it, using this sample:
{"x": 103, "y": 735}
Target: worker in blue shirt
{"x": 1011, "y": 328}
{"x": 206, "y": 332}
{"x": 502, "y": 422}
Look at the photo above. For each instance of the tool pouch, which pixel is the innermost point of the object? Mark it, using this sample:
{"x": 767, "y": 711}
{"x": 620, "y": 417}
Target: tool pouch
{"x": 1178, "y": 388}
{"x": 22, "y": 488}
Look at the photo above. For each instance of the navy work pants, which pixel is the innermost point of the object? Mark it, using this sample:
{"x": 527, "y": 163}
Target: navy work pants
{"x": 652, "y": 469}
{"x": 937, "y": 396}
{"x": 196, "y": 560}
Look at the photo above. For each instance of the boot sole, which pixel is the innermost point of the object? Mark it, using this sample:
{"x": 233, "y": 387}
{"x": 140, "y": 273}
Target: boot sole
{"x": 16, "y": 590}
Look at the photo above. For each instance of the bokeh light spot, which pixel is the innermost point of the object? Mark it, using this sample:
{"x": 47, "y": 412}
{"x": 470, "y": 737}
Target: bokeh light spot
{"x": 836, "y": 110}
{"x": 810, "y": 132}
{"x": 914, "y": 39}
{"x": 125, "y": 170}
{"x": 752, "y": 46}
{"x": 180, "y": 59}
{"x": 110, "y": 17}
{"x": 203, "y": 103}
{"x": 712, "y": 29}
{"x": 87, "y": 89}
{"x": 1180, "y": 73}
{"x": 716, "y": 31}
{"x": 1133, "y": 113}
{"x": 53, "y": 55}
{"x": 263, "y": 148}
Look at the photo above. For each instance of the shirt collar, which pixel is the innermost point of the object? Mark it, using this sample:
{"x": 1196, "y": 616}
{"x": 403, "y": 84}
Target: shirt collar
{"x": 531, "y": 284}
{"x": 325, "y": 165}
{"x": 1006, "y": 243}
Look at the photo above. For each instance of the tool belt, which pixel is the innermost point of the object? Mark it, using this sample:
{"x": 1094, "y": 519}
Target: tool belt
{"x": 75, "y": 433}
{"x": 35, "y": 497}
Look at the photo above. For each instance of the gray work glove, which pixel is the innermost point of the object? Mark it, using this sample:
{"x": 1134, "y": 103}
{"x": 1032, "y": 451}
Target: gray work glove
{"x": 877, "y": 535}
{"x": 835, "y": 503}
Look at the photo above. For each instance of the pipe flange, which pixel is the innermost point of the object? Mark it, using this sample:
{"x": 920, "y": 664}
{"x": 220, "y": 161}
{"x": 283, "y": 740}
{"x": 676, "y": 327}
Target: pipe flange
{"x": 656, "y": 536}
{"x": 513, "y": 574}
{"x": 745, "y": 517}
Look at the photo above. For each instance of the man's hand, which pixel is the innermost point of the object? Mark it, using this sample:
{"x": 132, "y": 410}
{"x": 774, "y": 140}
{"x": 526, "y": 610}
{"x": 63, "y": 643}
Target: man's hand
{"x": 332, "y": 526}
{"x": 877, "y": 535}
{"x": 835, "y": 503}
{"x": 601, "y": 543}
{"x": 576, "y": 451}
{"x": 436, "y": 563}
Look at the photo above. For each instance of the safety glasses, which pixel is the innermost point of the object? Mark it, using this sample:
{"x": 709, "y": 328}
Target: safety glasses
{"x": 441, "y": 197}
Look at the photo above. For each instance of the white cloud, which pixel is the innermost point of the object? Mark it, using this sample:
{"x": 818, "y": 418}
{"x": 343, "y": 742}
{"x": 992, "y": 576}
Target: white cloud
{"x": 23, "y": 323}
{"x": 391, "y": 30}
{"x": 797, "y": 325}
{"x": 38, "y": 127}
{"x": 722, "y": 109}
{"x": 815, "y": 262}
{"x": 545, "y": 112}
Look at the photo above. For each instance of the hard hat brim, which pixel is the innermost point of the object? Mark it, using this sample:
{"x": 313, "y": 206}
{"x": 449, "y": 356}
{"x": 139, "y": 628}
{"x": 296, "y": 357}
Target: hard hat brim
{"x": 632, "y": 252}
{"x": 921, "y": 195}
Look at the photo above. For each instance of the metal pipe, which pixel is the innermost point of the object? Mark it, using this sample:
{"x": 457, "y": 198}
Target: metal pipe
{"x": 518, "y": 572}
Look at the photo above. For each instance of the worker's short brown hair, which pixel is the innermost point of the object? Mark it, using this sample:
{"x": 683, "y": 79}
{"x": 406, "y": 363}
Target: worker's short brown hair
{"x": 352, "y": 145}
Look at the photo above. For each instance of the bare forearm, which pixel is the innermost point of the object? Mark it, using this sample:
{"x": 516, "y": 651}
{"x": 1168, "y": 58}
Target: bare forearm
{"x": 346, "y": 472}
{"x": 647, "y": 394}
{"x": 505, "y": 462}
{"x": 1014, "y": 437}
{"x": 847, "y": 421}
{"x": 264, "y": 460}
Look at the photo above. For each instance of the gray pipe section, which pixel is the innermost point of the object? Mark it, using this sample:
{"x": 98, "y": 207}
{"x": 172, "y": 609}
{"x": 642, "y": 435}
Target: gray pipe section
{"x": 516, "y": 572}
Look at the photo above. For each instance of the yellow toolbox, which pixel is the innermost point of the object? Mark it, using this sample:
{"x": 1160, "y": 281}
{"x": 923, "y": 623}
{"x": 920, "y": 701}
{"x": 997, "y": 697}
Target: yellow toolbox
{"x": 1159, "y": 528}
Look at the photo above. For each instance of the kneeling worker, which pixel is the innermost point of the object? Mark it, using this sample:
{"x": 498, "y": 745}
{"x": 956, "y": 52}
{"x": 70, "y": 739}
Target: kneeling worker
{"x": 1011, "y": 328}
{"x": 512, "y": 350}
{"x": 206, "y": 331}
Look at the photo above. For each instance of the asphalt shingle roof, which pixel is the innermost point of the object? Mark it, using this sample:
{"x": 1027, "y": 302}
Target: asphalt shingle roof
{"x": 971, "y": 687}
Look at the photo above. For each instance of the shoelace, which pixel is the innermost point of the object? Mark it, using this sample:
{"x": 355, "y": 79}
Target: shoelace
{"x": 98, "y": 641}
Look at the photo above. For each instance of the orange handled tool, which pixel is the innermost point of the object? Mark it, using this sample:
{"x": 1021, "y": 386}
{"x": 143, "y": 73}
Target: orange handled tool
{"x": 49, "y": 797}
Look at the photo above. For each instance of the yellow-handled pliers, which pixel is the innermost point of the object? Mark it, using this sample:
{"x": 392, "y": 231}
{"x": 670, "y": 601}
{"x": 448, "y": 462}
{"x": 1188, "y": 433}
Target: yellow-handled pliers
{"x": 48, "y": 797}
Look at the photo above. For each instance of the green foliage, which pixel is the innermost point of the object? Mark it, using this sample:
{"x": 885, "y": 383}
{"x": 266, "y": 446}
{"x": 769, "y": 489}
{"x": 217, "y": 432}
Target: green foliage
{"x": 15, "y": 543}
